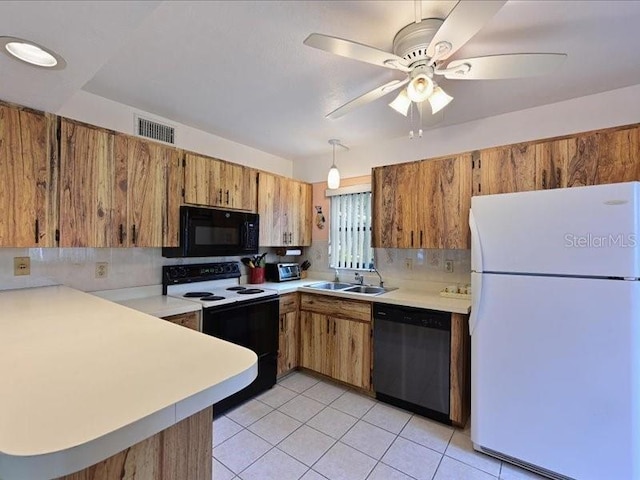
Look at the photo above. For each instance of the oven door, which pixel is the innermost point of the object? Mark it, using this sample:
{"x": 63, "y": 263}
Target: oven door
{"x": 254, "y": 325}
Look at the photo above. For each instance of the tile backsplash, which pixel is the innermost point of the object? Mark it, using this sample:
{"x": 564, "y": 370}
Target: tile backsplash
{"x": 76, "y": 267}
{"x": 399, "y": 266}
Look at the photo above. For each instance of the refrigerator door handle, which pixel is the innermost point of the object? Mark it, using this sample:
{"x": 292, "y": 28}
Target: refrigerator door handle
{"x": 476, "y": 300}
{"x": 476, "y": 247}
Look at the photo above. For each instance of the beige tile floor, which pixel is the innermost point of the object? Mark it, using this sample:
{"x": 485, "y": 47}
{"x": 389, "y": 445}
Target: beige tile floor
{"x": 308, "y": 429}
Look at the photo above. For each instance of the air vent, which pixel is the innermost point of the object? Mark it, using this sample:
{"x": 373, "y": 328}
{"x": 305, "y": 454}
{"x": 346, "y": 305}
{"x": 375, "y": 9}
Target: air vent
{"x": 155, "y": 131}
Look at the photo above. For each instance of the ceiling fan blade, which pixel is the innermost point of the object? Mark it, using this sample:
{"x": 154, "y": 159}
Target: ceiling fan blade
{"x": 464, "y": 21}
{"x": 356, "y": 51}
{"x": 494, "y": 67}
{"x": 367, "y": 97}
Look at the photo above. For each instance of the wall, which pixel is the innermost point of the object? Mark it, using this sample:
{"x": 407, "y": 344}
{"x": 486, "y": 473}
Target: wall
{"x": 89, "y": 108}
{"x": 603, "y": 110}
{"x": 398, "y": 267}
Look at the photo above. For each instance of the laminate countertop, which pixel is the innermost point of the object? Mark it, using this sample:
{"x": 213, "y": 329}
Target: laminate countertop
{"x": 84, "y": 378}
{"x": 417, "y": 297}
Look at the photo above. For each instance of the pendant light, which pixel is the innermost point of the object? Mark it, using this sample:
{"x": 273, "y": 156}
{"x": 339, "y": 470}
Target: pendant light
{"x": 333, "y": 178}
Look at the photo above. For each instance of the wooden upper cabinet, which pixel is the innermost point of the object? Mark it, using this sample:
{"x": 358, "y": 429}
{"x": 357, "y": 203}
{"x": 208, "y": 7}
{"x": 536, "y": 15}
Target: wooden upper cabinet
{"x": 215, "y": 183}
{"x": 607, "y": 156}
{"x": 140, "y": 216}
{"x": 114, "y": 189}
{"x": 28, "y": 188}
{"x": 174, "y": 198}
{"x": 507, "y": 169}
{"x": 87, "y": 186}
{"x": 422, "y": 204}
{"x": 284, "y": 206}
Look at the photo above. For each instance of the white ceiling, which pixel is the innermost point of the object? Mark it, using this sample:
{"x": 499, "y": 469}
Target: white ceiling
{"x": 239, "y": 69}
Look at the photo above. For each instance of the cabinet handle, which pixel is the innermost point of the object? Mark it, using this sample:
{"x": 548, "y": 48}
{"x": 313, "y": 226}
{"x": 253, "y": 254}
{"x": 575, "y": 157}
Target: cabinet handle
{"x": 281, "y": 328}
{"x": 227, "y": 197}
{"x": 334, "y": 327}
{"x": 220, "y": 196}
{"x": 37, "y": 231}
{"x": 290, "y": 235}
{"x": 544, "y": 179}
{"x": 284, "y": 238}
{"x": 558, "y": 177}
{"x": 327, "y": 326}
{"x": 412, "y": 238}
{"x": 133, "y": 234}
{"x": 121, "y": 234}
{"x": 420, "y": 237}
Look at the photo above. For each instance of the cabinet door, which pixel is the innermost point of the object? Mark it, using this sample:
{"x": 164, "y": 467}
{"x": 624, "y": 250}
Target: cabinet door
{"x": 237, "y": 188}
{"x": 28, "y": 195}
{"x": 398, "y": 198}
{"x": 146, "y": 199}
{"x": 189, "y": 320}
{"x": 351, "y": 358}
{"x": 315, "y": 348}
{"x": 552, "y": 159}
{"x": 271, "y": 221}
{"x": 299, "y": 215}
{"x": 198, "y": 181}
{"x": 609, "y": 156}
{"x": 288, "y": 342}
{"x": 507, "y": 169}
{"x": 87, "y": 180}
{"x": 174, "y": 198}
{"x": 447, "y": 184}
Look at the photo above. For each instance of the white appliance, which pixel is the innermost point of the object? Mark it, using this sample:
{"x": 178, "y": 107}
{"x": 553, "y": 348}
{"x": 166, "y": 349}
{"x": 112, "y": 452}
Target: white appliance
{"x": 555, "y": 330}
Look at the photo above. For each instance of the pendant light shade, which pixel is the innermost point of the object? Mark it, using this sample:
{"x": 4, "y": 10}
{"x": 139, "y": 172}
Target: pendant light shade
{"x": 439, "y": 99}
{"x": 401, "y": 103}
{"x": 419, "y": 88}
{"x": 333, "y": 177}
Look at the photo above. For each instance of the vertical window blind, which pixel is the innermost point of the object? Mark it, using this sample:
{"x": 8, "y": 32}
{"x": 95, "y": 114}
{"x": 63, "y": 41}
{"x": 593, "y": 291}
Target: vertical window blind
{"x": 350, "y": 234}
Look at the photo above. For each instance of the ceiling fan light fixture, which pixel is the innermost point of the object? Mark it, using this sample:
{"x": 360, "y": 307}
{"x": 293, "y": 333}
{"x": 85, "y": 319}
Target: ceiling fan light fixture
{"x": 420, "y": 88}
{"x": 439, "y": 99}
{"x": 401, "y": 103}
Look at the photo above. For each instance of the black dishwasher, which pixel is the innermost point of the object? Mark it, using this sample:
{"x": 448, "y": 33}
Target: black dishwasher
{"x": 412, "y": 355}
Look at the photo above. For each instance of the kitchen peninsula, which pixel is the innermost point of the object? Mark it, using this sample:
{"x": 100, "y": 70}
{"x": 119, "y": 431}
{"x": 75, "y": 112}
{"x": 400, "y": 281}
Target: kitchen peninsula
{"x": 85, "y": 379}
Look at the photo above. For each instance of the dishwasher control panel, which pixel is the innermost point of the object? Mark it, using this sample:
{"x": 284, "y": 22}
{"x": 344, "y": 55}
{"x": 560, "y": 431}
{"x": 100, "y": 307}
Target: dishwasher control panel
{"x": 413, "y": 316}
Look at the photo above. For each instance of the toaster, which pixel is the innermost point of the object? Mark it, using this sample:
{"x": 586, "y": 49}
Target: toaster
{"x": 282, "y": 272}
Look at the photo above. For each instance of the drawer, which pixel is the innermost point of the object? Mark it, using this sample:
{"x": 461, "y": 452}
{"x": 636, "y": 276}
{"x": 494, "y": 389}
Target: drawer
{"x": 289, "y": 303}
{"x": 336, "y": 307}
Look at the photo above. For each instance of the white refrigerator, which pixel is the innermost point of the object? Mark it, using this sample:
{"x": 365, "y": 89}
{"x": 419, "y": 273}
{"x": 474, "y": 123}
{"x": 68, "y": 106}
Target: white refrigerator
{"x": 555, "y": 330}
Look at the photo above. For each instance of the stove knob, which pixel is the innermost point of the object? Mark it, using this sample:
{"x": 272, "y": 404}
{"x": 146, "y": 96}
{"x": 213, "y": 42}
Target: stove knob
{"x": 227, "y": 268}
{"x": 217, "y": 269}
{"x": 181, "y": 272}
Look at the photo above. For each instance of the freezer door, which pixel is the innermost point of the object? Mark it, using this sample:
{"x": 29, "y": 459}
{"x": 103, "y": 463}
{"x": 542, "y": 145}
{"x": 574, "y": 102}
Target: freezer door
{"x": 555, "y": 365}
{"x": 589, "y": 231}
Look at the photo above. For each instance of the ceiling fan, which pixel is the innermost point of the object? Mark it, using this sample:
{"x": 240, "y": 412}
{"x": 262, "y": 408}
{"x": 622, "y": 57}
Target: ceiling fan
{"x": 421, "y": 50}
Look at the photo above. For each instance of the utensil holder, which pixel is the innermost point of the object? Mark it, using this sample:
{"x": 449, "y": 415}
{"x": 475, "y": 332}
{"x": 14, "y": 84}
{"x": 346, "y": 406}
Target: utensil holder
{"x": 303, "y": 274}
{"x": 256, "y": 275}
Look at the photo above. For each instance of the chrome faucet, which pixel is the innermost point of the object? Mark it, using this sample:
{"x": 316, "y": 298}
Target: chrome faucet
{"x": 359, "y": 279}
{"x": 374, "y": 269}
{"x": 337, "y": 277}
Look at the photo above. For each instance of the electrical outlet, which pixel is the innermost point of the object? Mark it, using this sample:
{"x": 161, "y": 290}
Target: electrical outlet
{"x": 448, "y": 266}
{"x": 21, "y": 266}
{"x": 102, "y": 269}
{"x": 408, "y": 263}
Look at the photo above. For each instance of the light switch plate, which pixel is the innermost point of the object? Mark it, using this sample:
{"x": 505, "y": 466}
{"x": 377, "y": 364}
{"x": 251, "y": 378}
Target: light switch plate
{"x": 448, "y": 266}
{"x": 21, "y": 266}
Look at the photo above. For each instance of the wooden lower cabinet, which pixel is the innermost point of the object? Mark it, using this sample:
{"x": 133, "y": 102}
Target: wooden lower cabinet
{"x": 460, "y": 370}
{"x": 336, "y": 338}
{"x": 181, "y": 451}
{"x": 288, "y": 333}
{"x": 190, "y": 320}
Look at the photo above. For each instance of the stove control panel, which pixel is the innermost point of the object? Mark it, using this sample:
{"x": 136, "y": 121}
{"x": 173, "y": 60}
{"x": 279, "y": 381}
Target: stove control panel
{"x": 198, "y": 272}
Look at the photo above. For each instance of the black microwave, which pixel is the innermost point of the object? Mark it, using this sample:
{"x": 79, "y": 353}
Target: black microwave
{"x": 210, "y": 232}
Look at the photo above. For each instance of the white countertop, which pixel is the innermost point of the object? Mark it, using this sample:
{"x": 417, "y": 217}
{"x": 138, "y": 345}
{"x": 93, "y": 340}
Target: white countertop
{"x": 84, "y": 378}
{"x": 161, "y": 305}
{"x": 418, "y": 298}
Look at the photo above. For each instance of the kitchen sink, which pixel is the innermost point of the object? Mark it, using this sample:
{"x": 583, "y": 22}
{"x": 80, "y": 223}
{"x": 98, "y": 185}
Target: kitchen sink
{"x": 366, "y": 289}
{"x": 330, "y": 285}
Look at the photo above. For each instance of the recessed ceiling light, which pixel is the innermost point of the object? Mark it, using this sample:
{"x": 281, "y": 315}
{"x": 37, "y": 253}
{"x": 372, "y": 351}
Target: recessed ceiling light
{"x": 32, "y": 53}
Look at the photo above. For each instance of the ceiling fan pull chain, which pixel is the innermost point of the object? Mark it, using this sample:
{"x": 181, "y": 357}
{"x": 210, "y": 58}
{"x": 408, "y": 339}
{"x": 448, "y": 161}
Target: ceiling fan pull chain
{"x": 418, "y": 10}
